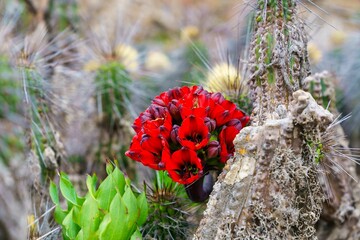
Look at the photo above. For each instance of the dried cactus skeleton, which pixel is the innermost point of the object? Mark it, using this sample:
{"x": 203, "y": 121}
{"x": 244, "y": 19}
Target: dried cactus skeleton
{"x": 286, "y": 180}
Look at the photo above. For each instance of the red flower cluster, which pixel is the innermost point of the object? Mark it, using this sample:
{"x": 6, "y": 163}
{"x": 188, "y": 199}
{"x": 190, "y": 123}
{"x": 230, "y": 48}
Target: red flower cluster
{"x": 186, "y": 131}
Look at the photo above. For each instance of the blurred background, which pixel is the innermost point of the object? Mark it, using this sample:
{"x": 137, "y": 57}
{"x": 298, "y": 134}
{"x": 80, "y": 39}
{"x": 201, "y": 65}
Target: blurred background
{"x": 75, "y": 74}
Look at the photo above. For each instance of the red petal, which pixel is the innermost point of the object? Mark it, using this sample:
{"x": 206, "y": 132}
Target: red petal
{"x": 185, "y": 167}
{"x": 193, "y": 133}
{"x": 226, "y": 138}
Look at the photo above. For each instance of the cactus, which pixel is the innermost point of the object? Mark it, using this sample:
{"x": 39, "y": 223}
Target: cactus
{"x": 274, "y": 187}
{"x": 12, "y": 147}
{"x": 169, "y": 210}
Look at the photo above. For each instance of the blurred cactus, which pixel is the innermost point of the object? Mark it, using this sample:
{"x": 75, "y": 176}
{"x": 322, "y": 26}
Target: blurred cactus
{"x": 12, "y": 147}
{"x": 14, "y": 200}
{"x": 35, "y": 75}
{"x": 344, "y": 63}
{"x": 157, "y": 61}
{"x": 114, "y": 92}
{"x": 315, "y": 54}
{"x": 226, "y": 79}
{"x": 196, "y": 54}
{"x": 11, "y": 137}
{"x": 110, "y": 211}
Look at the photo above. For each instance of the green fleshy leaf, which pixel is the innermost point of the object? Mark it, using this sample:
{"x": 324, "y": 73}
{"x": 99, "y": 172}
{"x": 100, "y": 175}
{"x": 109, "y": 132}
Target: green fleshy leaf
{"x": 89, "y": 218}
{"x": 80, "y": 235}
{"x": 132, "y": 213}
{"x": 71, "y": 228}
{"x": 60, "y": 214}
{"x": 105, "y": 194}
{"x": 67, "y": 189}
{"x": 76, "y": 215}
{"x": 91, "y": 185}
{"x": 103, "y": 225}
{"x": 142, "y": 208}
{"x": 109, "y": 168}
{"x": 115, "y": 227}
{"x": 54, "y": 195}
{"x": 114, "y": 183}
{"x": 137, "y": 235}
{"x": 119, "y": 180}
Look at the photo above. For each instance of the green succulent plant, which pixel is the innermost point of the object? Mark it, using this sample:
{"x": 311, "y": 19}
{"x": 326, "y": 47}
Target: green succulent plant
{"x": 111, "y": 211}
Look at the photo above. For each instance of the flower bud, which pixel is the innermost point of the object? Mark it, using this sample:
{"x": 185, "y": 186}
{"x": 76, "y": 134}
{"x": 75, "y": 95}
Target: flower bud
{"x": 157, "y": 111}
{"x": 200, "y": 91}
{"x": 217, "y": 97}
{"x": 174, "y": 110}
{"x": 159, "y": 102}
{"x": 145, "y": 116}
{"x": 244, "y": 120}
{"x": 210, "y": 123}
{"x": 175, "y": 93}
{"x": 213, "y": 149}
{"x": 200, "y": 190}
{"x": 174, "y": 134}
{"x": 236, "y": 123}
{"x": 161, "y": 165}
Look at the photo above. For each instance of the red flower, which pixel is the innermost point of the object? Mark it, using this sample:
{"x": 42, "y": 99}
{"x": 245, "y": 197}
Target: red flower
{"x": 137, "y": 125}
{"x": 193, "y": 133}
{"x": 177, "y": 126}
{"x": 149, "y": 150}
{"x": 166, "y": 97}
{"x": 226, "y": 138}
{"x": 195, "y": 103}
{"x": 155, "y": 119}
{"x": 222, "y": 113}
{"x": 151, "y": 143}
{"x": 184, "y": 167}
{"x": 135, "y": 148}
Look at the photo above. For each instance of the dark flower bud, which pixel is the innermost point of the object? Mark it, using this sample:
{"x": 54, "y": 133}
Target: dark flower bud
{"x": 158, "y": 101}
{"x": 244, "y": 120}
{"x": 200, "y": 190}
{"x": 175, "y": 93}
{"x": 161, "y": 165}
{"x": 213, "y": 149}
{"x": 236, "y": 123}
{"x": 174, "y": 110}
{"x": 145, "y": 116}
{"x": 174, "y": 134}
{"x": 217, "y": 97}
{"x": 200, "y": 91}
{"x": 144, "y": 137}
{"x": 210, "y": 123}
{"x": 157, "y": 111}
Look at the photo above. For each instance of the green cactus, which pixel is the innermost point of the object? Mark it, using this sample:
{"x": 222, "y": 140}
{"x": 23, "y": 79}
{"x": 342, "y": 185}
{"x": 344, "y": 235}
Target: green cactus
{"x": 112, "y": 89}
{"x": 11, "y": 141}
{"x": 169, "y": 210}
